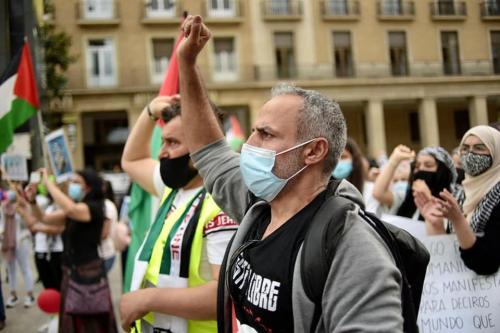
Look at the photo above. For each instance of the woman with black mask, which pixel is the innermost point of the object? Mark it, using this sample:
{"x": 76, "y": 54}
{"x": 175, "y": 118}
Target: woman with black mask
{"x": 476, "y": 221}
{"x": 432, "y": 172}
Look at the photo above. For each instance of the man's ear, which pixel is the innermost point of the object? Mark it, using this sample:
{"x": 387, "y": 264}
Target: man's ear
{"x": 316, "y": 151}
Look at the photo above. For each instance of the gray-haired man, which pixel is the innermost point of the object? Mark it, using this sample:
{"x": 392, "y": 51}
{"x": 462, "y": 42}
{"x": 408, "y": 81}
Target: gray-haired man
{"x": 275, "y": 189}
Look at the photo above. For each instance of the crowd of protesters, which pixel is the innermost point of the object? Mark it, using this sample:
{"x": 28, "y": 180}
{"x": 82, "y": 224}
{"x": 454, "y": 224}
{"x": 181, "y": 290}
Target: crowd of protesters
{"x": 224, "y": 246}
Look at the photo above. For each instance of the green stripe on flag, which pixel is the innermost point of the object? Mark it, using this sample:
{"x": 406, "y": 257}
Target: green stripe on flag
{"x": 20, "y": 112}
{"x": 140, "y": 214}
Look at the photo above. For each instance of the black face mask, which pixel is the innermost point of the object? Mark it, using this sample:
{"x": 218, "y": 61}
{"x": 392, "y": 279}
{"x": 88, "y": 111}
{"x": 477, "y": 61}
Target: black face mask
{"x": 175, "y": 172}
{"x": 430, "y": 178}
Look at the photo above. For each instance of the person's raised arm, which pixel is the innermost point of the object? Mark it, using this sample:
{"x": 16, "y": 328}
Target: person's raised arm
{"x": 136, "y": 159}
{"x": 35, "y": 213}
{"x": 198, "y": 120}
{"x": 381, "y": 189}
{"x": 217, "y": 164}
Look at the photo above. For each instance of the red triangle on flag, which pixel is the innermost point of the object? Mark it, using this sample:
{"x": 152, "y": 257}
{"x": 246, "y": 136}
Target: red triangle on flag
{"x": 25, "y": 86}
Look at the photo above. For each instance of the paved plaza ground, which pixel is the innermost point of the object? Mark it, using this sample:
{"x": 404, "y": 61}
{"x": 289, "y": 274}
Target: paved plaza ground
{"x": 22, "y": 320}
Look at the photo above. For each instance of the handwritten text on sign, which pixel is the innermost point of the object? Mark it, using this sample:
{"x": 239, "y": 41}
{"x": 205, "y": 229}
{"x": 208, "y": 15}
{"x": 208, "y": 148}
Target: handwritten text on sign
{"x": 454, "y": 298}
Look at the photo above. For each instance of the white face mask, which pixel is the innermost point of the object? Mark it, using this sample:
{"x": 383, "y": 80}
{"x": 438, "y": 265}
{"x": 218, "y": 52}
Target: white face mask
{"x": 256, "y": 165}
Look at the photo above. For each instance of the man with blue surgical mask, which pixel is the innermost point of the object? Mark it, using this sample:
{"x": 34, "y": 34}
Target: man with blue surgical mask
{"x": 275, "y": 189}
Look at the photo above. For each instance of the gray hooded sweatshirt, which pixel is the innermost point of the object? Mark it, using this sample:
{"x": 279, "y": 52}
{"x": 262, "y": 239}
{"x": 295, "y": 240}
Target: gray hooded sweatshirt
{"x": 363, "y": 288}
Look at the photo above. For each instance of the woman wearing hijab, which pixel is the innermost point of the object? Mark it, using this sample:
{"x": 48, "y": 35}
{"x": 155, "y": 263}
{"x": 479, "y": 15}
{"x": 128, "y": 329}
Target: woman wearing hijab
{"x": 433, "y": 171}
{"x": 478, "y": 226}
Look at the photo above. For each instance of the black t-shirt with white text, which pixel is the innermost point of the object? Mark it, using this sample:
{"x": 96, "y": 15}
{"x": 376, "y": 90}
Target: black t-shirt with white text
{"x": 261, "y": 271}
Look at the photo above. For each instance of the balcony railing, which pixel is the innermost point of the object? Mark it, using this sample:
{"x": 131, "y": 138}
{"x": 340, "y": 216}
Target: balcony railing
{"x": 97, "y": 12}
{"x": 391, "y": 8}
{"x": 340, "y": 8}
{"x": 448, "y": 9}
{"x": 281, "y": 9}
{"x": 231, "y": 10}
{"x": 490, "y": 9}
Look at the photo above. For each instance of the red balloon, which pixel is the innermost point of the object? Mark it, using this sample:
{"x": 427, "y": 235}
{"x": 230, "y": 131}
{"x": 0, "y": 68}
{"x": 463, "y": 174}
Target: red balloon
{"x": 49, "y": 301}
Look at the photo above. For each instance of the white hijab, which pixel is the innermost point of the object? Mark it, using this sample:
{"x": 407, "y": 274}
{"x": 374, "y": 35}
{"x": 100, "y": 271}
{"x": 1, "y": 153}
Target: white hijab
{"x": 475, "y": 188}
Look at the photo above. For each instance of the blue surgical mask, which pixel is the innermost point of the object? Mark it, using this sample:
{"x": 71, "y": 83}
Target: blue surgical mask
{"x": 11, "y": 196}
{"x": 343, "y": 169}
{"x": 75, "y": 191}
{"x": 400, "y": 186}
{"x": 256, "y": 165}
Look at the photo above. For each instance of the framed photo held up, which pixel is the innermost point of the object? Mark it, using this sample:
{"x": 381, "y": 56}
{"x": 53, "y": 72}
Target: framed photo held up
{"x": 15, "y": 167}
{"x": 59, "y": 155}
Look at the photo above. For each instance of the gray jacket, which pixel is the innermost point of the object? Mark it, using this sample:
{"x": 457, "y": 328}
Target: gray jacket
{"x": 363, "y": 288}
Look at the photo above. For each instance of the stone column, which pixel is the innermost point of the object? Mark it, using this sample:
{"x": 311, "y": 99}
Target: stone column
{"x": 478, "y": 111}
{"x": 428, "y": 121}
{"x": 375, "y": 127}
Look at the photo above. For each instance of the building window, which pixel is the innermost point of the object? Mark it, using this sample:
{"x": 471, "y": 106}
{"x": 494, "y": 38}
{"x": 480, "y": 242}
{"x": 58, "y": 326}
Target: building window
{"x": 101, "y": 63}
{"x": 391, "y": 7}
{"x": 161, "y": 8}
{"x": 495, "y": 51}
{"x": 224, "y": 59}
{"x": 398, "y": 53}
{"x": 446, "y": 7}
{"x": 342, "y": 52}
{"x": 162, "y": 50}
{"x": 451, "y": 55}
{"x": 337, "y": 7}
{"x": 491, "y": 8}
{"x": 221, "y": 8}
{"x": 280, "y": 7}
{"x": 98, "y": 9}
{"x": 284, "y": 52}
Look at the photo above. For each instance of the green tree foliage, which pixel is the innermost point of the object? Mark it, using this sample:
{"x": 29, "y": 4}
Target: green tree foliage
{"x": 56, "y": 46}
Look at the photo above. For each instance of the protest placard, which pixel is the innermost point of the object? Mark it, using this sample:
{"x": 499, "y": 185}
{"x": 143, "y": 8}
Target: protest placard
{"x": 59, "y": 155}
{"x": 454, "y": 298}
{"x": 15, "y": 167}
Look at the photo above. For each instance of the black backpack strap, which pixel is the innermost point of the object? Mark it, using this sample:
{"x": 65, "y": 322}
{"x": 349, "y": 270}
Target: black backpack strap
{"x": 223, "y": 307}
{"x": 409, "y": 299}
{"x": 319, "y": 248}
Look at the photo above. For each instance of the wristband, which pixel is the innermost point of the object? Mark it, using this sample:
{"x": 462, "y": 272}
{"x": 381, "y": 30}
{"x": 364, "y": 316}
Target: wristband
{"x": 150, "y": 114}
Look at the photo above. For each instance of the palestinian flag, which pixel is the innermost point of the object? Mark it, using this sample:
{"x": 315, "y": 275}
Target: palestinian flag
{"x": 234, "y": 133}
{"x": 18, "y": 95}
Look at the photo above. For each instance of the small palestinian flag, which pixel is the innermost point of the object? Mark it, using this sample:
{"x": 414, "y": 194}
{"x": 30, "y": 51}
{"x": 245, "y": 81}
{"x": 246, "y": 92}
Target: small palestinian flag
{"x": 234, "y": 133}
{"x": 18, "y": 95}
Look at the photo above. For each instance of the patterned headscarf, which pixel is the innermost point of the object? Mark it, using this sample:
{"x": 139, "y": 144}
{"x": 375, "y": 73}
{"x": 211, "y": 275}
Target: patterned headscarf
{"x": 440, "y": 154}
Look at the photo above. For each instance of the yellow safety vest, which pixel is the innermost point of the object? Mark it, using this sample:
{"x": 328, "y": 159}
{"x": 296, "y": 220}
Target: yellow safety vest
{"x": 209, "y": 210}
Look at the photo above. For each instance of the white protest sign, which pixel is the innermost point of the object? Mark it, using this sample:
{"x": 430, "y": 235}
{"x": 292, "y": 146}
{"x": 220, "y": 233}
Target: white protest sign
{"x": 15, "y": 167}
{"x": 414, "y": 227}
{"x": 455, "y": 299}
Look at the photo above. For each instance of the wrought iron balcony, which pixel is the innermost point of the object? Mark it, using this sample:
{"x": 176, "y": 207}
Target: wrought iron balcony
{"x": 490, "y": 9}
{"x": 282, "y": 9}
{"x": 340, "y": 9}
{"x": 395, "y": 9}
{"x": 449, "y": 9}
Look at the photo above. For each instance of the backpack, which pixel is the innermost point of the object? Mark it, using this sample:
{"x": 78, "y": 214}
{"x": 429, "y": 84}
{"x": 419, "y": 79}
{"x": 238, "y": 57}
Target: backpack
{"x": 319, "y": 246}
